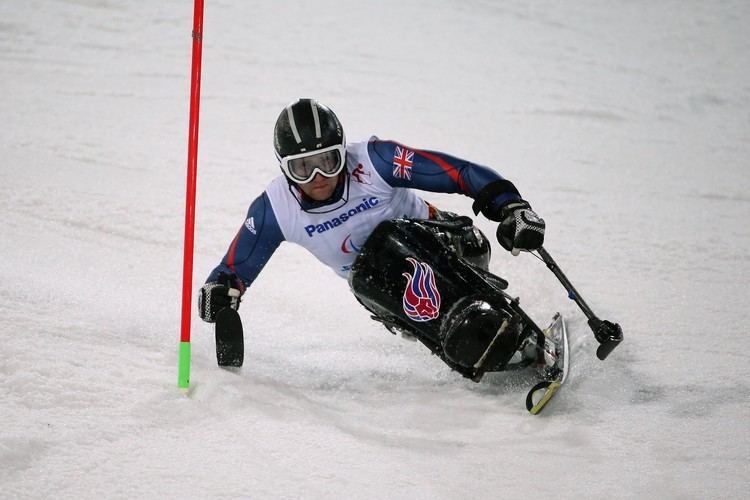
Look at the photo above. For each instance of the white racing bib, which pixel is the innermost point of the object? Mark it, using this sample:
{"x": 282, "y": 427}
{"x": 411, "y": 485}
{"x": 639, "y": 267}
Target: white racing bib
{"x": 336, "y": 237}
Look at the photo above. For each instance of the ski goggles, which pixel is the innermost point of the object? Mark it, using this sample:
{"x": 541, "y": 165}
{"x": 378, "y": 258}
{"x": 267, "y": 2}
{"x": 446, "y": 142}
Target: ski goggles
{"x": 301, "y": 168}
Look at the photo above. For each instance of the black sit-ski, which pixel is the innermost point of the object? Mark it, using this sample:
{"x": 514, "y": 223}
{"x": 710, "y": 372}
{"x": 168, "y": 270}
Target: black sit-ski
{"x": 429, "y": 279}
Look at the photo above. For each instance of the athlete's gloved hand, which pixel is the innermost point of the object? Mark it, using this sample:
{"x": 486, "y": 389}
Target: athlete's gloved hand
{"x": 520, "y": 228}
{"x": 216, "y": 295}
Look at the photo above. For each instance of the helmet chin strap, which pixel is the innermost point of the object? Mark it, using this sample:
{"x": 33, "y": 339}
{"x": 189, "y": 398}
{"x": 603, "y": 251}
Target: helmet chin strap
{"x": 338, "y": 198}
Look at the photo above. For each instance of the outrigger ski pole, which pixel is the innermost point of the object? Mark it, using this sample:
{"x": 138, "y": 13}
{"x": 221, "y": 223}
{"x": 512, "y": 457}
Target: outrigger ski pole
{"x": 608, "y": 334}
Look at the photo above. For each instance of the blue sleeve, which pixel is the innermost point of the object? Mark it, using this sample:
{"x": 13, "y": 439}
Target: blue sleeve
{"x": 406, "y": 167}
{"x": 255, "y": 242}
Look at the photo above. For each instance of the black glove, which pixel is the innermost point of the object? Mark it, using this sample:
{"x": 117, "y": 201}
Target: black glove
{"x": 216, "y": 295}
{"x": 520, "y": 228}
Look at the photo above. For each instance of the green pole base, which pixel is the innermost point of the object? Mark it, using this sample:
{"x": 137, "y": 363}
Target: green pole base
{"x": 183, "y": 376}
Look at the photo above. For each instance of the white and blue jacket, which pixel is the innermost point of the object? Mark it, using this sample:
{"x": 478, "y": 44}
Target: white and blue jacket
{"x": 383, "y": 177}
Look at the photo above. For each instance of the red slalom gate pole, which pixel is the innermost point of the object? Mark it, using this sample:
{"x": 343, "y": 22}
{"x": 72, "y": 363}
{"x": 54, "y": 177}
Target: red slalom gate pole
{"x": 183, "y": 376}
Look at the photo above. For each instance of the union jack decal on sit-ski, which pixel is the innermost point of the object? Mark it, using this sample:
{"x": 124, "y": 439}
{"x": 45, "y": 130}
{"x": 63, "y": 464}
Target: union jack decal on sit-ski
{"x": 403, "y": 159}
{"x": 421, "y": 300}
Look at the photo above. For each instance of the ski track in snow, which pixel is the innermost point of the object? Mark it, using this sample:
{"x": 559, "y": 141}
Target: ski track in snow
{"x": 625, "y": 124}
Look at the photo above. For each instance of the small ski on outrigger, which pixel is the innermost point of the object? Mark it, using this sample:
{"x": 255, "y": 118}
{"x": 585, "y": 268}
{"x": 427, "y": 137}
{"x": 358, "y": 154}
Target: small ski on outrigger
{"x": 230, "y": 339}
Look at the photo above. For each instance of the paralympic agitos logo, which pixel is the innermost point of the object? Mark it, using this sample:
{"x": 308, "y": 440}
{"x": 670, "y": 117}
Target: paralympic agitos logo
{"x": 367, "y": 204}
{"x": 348, "y": 246}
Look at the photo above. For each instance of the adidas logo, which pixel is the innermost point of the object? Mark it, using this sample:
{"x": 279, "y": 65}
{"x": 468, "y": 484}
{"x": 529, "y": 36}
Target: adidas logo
{"x": 250, "y": 225}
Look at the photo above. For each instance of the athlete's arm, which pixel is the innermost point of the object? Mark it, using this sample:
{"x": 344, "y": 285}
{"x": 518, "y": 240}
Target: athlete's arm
{"x": 252, "y": 247}
{"x": 402, "y": 166}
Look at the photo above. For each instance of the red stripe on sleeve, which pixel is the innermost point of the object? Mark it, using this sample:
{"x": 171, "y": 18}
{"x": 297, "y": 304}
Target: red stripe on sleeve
{"x": 232, "y": 249}
{"x": 447, "y": 167}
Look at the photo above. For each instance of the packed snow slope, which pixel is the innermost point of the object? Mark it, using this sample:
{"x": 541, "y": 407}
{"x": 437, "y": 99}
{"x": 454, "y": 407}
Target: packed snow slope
{"x": 626, "y": 124}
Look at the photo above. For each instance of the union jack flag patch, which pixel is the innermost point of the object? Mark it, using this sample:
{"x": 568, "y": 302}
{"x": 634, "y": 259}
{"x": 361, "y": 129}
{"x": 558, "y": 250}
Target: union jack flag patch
{"x": 403, "y": 159}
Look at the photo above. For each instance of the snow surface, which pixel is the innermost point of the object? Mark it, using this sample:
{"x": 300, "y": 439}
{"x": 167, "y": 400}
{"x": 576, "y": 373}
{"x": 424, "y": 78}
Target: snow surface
{"x": 626, "y": 123}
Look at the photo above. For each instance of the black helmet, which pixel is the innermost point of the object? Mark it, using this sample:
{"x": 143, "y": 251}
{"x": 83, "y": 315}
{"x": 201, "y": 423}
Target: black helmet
{"x": 308, "y": 139}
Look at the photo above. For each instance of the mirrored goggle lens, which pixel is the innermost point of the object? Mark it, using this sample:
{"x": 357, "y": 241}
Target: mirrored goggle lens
{"x": 328, "y": 163}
